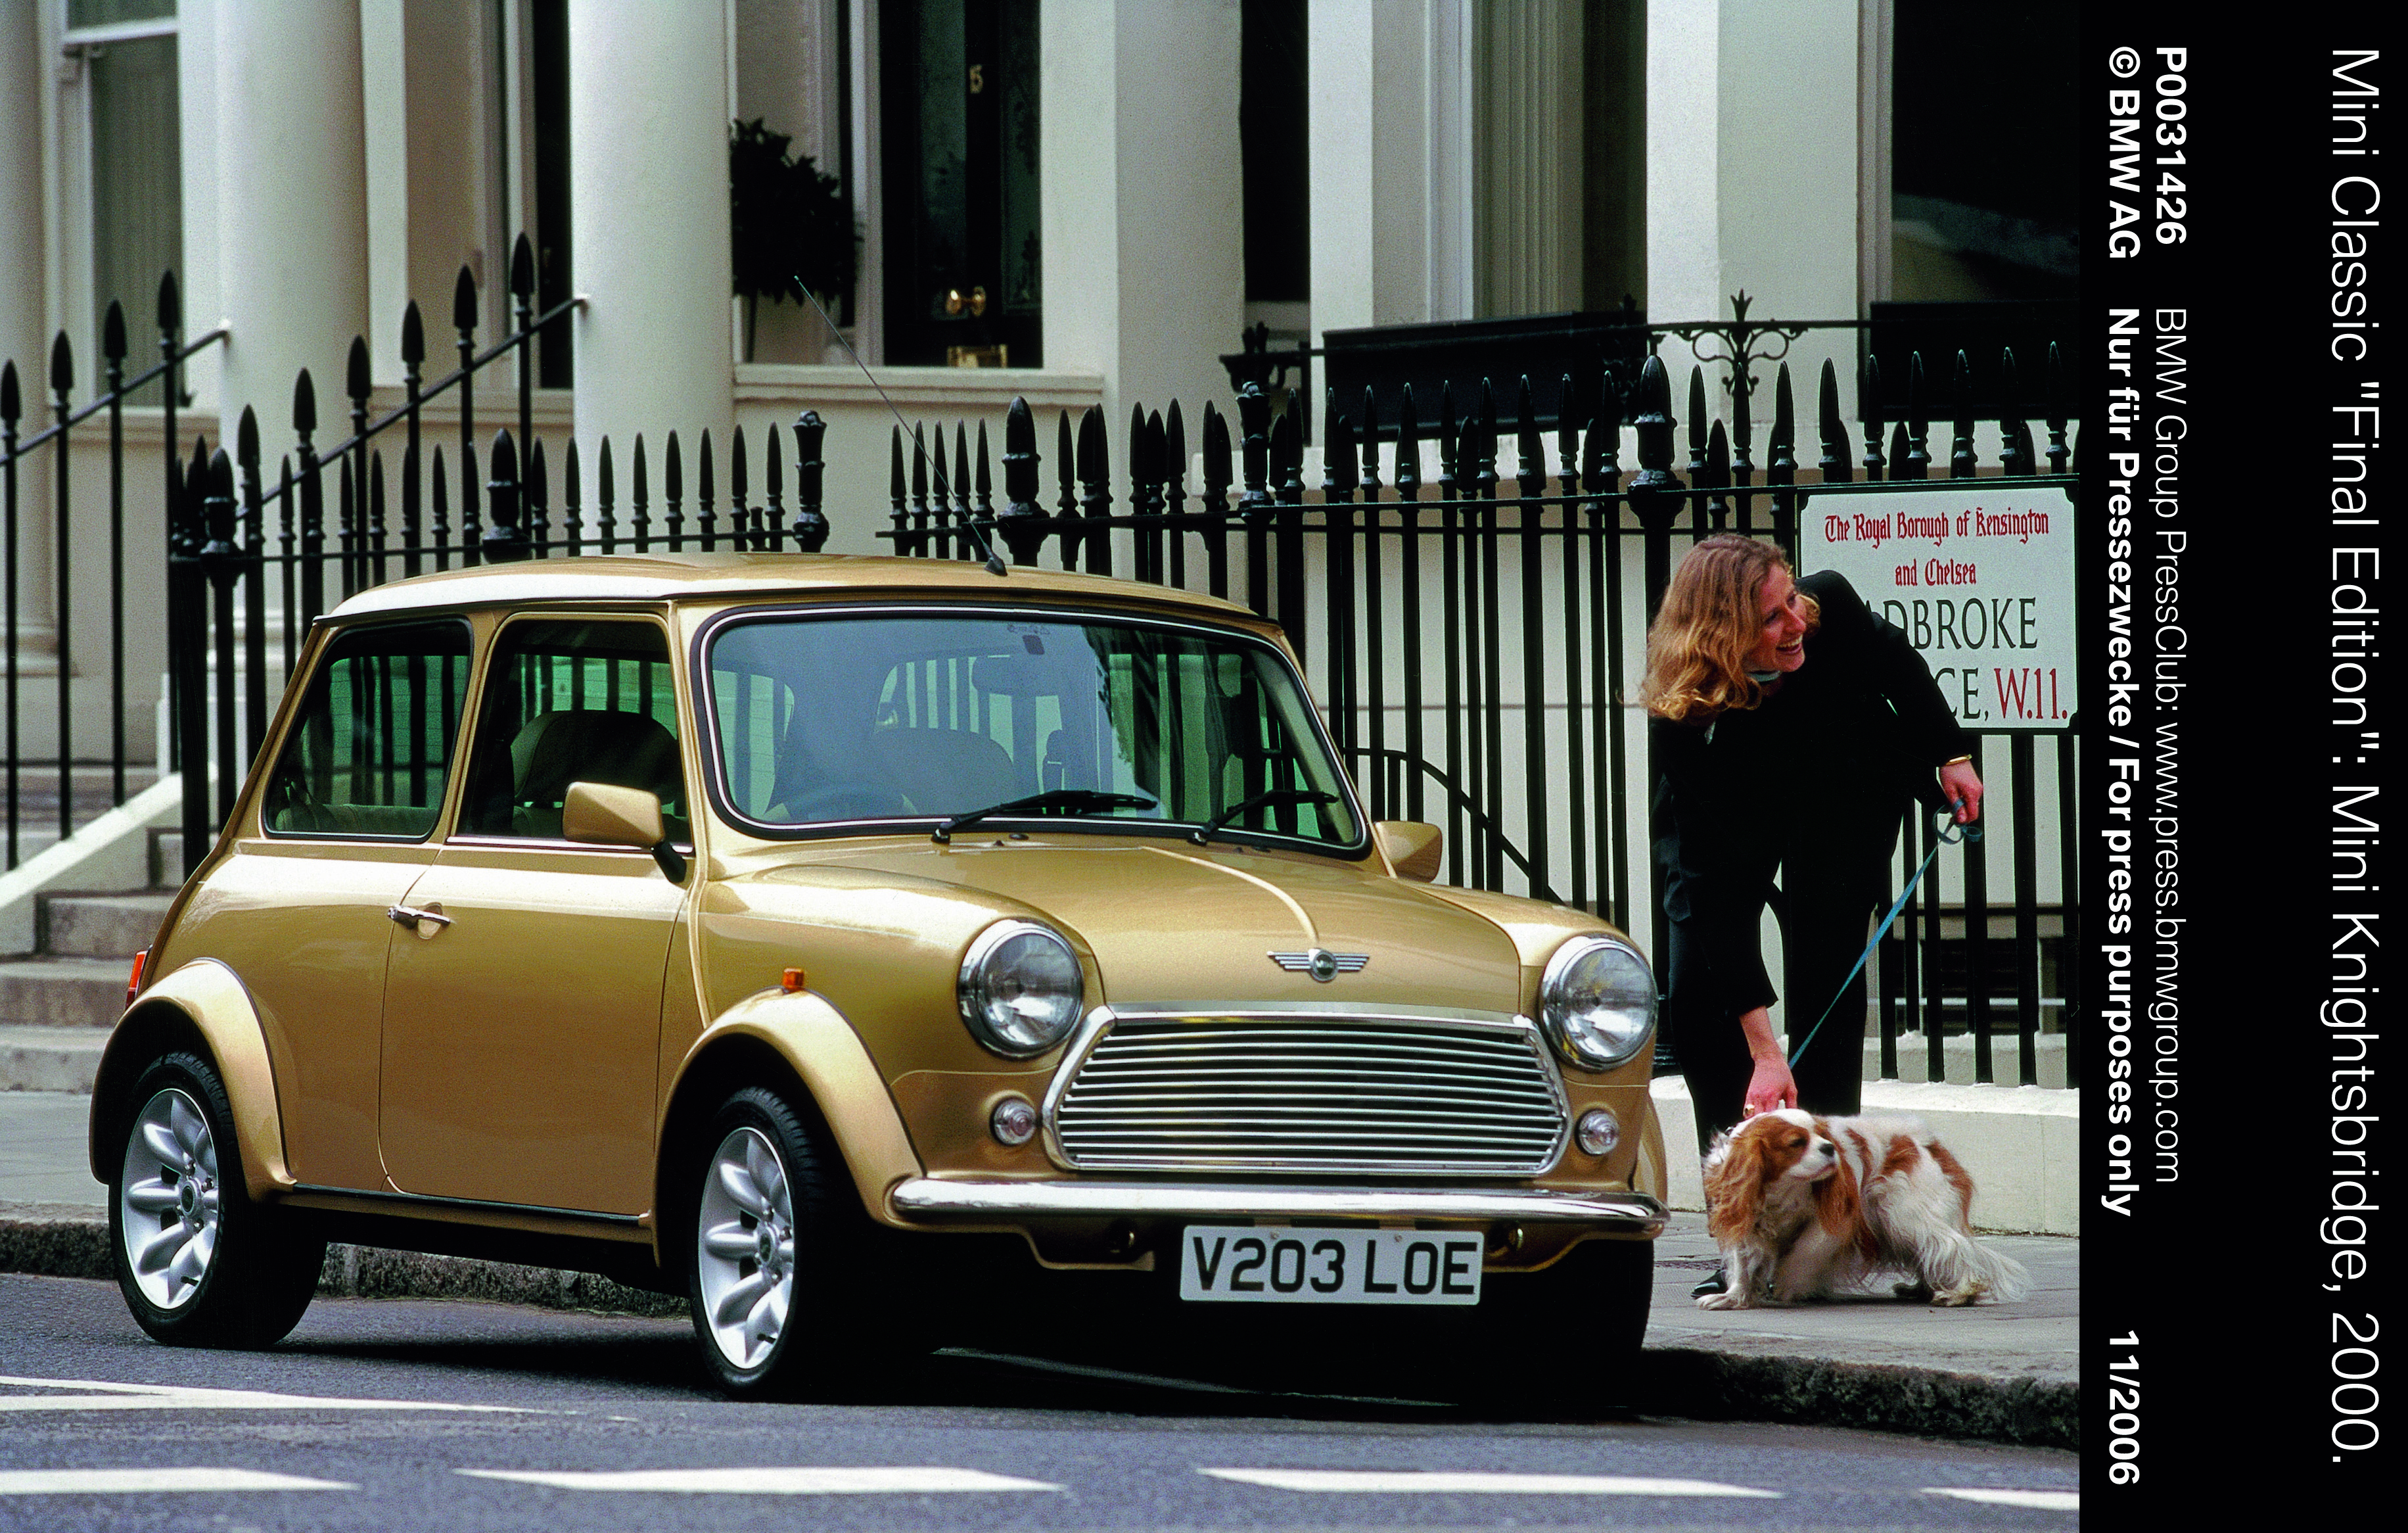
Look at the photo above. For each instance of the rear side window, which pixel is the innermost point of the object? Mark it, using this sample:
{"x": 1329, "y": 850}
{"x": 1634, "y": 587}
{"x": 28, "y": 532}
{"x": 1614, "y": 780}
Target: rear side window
{"x": 370, "y": 753}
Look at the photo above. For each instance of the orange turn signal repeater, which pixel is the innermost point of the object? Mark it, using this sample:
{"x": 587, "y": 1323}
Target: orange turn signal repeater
{"x": 791, "y": 980}
{"x": 134, "y": 981}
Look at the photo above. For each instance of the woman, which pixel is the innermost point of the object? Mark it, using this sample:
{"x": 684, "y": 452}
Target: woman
{"x": 1789, "y": 726}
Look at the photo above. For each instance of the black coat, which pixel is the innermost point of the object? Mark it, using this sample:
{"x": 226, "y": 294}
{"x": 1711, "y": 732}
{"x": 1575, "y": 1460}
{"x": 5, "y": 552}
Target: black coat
{"x": 1812, "y": 781}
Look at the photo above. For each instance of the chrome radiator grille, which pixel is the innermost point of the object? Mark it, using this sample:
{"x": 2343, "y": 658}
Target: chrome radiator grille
{"x": 1312, "y": 1094}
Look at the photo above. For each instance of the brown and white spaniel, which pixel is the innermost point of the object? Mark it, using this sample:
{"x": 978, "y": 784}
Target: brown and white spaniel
{"x": 1802, "y": 1206}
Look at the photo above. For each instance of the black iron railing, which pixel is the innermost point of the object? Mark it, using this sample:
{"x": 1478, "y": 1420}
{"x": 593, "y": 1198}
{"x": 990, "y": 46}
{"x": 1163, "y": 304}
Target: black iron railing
{"x": 66, "y": 537}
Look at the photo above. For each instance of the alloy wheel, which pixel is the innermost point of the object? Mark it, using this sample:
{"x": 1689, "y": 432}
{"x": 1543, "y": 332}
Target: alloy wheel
{"x": 744, "y": 1248}
{"x": 169, "y": 1206}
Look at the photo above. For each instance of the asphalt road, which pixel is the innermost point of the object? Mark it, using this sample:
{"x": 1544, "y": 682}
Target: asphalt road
{"x": 432, "y": 1416}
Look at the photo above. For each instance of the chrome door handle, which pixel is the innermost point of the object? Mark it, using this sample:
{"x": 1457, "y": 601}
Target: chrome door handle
{"x": 425, "y": 923}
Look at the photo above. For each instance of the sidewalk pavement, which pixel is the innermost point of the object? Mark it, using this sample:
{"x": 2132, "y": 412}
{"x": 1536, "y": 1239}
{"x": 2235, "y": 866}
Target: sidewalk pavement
{"x": 1998, "y": 1372}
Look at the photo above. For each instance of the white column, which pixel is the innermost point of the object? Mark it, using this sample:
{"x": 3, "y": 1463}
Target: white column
{"x": 1388, "y": 133}
{"x": 196, "y": 108}
{"x": 1143, "y": 203}
{"x": 22, "y": 91}
{"x": 1753, "y": 143}
{"x": 1526, "y": 215}
{"x": 289, "y": 205}
{"x": 649, "y": 235}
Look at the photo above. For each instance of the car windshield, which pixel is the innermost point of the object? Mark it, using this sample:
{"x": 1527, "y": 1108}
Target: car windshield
{"x": 856, "y": 717}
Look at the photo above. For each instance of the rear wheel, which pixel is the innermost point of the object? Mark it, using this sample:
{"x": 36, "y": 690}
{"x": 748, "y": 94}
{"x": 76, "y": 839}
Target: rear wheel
{"x": 200, "y": 1264}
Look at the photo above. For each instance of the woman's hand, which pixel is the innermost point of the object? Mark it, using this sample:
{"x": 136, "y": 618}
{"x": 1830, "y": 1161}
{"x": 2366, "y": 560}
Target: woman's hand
{"x": 1962, "y": 787}
{"x": 1772, "y": 1086}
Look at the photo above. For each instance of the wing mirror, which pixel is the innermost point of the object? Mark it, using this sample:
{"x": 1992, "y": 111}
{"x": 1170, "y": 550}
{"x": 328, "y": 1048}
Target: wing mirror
{"x": 1412, "y": 848}
{"x": 605, "y": 814}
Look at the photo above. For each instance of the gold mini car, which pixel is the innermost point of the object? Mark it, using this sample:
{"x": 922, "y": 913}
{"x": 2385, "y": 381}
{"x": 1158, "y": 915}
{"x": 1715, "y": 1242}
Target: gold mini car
{"x": 816, "y": 935}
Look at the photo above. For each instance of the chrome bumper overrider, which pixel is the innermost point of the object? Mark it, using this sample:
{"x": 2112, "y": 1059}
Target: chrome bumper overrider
{"x": 928, "y": 1198}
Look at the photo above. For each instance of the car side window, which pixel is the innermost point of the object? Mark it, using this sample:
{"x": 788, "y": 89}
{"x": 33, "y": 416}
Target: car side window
{"x": 575, "y": 700}
{"x": 370, "y": 750}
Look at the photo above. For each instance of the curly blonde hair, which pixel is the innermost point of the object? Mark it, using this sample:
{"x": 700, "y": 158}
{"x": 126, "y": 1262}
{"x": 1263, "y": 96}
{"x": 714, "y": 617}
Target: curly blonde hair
{"x": 1698, "y": 644}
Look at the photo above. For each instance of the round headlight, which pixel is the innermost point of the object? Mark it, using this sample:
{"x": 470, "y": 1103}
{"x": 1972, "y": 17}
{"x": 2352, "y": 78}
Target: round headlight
{"x": 1597, "y": 1002}
{"x": 1020, "y": 988}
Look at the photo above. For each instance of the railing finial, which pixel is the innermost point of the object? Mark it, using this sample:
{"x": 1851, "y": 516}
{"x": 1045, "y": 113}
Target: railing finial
{"x": 809, "y": 529}
{"x": 505, "y": 541}
{"x": 1023, "y": 520}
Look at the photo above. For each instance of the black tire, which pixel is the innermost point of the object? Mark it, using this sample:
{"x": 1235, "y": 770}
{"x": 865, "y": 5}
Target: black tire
{"x": 813, "y": 1257}
{"x": 200, "y": 1264}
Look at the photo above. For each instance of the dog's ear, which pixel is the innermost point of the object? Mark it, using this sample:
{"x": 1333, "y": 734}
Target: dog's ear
{"x": 1838, "y": 1204}
{"x": 1735, "y": 1187}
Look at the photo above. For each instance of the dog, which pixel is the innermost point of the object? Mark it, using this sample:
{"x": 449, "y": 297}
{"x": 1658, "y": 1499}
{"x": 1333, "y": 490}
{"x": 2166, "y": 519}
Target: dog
{"x": 1802, "y": 1206}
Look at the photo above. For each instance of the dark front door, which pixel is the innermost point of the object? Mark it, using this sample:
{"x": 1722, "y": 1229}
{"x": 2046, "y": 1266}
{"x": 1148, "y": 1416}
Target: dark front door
{"x": 959, "y": 127}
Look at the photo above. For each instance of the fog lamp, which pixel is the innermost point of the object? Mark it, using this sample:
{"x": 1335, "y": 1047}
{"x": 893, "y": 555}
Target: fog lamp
{"x": 1013, "y": 1121}
{"x": 1597, "y": 1132}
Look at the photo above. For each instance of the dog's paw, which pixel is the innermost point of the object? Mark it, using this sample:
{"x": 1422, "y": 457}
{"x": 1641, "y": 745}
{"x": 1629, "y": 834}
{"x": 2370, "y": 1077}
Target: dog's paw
{"x": 1951, "y": 1297}
{"x": 1732, "y": 1300}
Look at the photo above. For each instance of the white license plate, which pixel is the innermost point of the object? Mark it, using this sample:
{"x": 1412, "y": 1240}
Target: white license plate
{"x": 1252, "y": 1264}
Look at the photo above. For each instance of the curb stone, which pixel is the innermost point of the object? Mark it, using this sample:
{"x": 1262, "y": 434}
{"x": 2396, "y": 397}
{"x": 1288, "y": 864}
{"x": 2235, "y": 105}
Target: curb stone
{"x": 1680, "y": 1381}
{"x": 1878, "y": 1397}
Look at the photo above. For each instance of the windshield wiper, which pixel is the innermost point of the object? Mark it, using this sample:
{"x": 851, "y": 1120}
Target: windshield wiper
{"x": 1268, "y": 799}
{"x": 1061, "y": 801}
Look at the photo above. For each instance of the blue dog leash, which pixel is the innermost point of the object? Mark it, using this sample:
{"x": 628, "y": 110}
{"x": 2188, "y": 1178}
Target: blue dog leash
{"x": 1963, "y": 833}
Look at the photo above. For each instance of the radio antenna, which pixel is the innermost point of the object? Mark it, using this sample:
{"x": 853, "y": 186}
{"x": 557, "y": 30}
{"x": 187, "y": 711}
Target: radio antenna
{"x": 994, "y": 565}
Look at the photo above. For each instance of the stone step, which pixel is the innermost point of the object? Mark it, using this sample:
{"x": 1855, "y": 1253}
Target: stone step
{"x": 50, "y": 1058}
{"x": 166, "y": 859}
{"x": 64, "y": 993}
{"x": 114, "y": 926}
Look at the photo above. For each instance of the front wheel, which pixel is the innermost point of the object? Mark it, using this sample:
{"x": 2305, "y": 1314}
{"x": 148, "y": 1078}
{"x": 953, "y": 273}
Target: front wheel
{"x": 771, "y": 1251}
{"x": 200, "y": 1264}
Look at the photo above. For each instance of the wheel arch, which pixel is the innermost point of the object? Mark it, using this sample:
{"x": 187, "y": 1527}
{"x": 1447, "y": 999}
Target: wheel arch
{"x": 203, "y": 1007}
{"x": 803, "y": 1047}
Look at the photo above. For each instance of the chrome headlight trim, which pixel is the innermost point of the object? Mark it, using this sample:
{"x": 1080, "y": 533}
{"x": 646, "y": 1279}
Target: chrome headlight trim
{"x": 1577, "y": 1034}
{"x": 992, "y": 1018}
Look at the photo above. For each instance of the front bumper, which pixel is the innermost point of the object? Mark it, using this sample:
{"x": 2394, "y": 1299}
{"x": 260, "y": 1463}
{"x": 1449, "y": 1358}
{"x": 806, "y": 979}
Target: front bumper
{"x": 929, "y": 1200}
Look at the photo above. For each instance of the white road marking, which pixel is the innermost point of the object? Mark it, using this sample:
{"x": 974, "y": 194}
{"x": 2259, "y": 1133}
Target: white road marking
{"x": 1449, "y": 1482}
{"x": 769, "y": 1481}
{"x": 2045, "y": 1500}
{"x": 102, "y": 1394}
{"x": 151, "y": 1481}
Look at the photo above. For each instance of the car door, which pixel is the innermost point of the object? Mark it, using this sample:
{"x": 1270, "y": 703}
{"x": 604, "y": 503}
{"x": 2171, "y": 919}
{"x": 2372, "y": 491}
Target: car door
{"x": 345, "y": 827}
{"x": 522, "y": 1002}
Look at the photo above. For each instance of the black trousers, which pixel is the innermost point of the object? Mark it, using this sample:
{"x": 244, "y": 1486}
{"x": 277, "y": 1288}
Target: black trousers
{"x": 1825, "y": 914}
